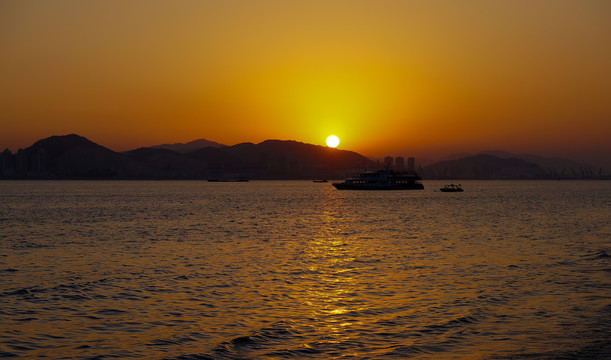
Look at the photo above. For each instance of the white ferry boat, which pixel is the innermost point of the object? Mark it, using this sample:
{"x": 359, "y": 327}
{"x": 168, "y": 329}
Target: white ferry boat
{"x": 382, "y": 180}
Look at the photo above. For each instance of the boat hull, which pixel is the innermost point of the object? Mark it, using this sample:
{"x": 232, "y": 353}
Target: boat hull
{"x": 451, "y": 188}
{"x": 344, "y": 186}
{"x": 382, "y": 180}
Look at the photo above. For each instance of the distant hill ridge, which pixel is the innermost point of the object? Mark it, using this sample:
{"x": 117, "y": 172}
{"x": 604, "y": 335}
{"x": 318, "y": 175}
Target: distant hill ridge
{"x": 461, "y": 167}
{"x": 58, "y": 145}
{"x": 483, "y": 167}
{"x": 69, "y": 156}
{"x": 190, "y": 146}
{"x": 76, "y": 157}
{"x": 556, "y": 167}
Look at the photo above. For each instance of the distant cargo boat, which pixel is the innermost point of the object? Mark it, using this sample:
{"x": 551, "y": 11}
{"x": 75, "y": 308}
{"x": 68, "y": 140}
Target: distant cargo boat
{"x": 240, "y": 179}
{"x": 382, "y": 180}
{"x": 451, "y": 188}
{"x": 320, "y": 181}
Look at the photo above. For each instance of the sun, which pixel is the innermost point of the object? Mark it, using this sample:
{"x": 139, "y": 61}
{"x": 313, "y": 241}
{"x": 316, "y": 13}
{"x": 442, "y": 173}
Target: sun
{"x": 332, "y": 141}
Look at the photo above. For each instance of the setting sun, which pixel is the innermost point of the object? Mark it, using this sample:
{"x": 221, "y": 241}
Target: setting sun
{"x": 332, "y": 141}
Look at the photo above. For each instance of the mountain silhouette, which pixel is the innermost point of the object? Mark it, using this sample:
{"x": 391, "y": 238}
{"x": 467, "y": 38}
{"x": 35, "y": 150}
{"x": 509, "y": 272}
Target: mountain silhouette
{"x": 281, "y": 159}
{"x": 75, "y": 157}
{"x": 164, "y": 163}
{"x": 505, "y": 165}
{"x": 184, "y": 148}
{"x": 554, "y": 167}
{"x": 484, "y": 167}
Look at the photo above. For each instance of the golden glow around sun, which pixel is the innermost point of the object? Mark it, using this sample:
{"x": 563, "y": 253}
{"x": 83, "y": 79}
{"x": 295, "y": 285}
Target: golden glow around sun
{"x": 332, "y": 141}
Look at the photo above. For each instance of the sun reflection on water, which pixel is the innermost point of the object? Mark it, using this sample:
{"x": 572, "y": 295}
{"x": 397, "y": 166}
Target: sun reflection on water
{"x": 333, "y": 293}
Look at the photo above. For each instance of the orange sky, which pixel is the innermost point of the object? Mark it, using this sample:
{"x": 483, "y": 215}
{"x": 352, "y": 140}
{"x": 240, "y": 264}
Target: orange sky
{"x": 424, "y": 78}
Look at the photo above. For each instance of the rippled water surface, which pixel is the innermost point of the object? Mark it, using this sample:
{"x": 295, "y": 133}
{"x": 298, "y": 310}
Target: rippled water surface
{"x": 298, "y": 270}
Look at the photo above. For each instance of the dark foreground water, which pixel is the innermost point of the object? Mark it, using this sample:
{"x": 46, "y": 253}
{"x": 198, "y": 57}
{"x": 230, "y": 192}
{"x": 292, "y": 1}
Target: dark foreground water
{"x": 299, "y": 270}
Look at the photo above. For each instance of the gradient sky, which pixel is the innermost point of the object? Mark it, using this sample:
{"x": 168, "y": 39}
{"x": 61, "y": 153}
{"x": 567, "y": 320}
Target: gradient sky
{"x": 423, "y": 78}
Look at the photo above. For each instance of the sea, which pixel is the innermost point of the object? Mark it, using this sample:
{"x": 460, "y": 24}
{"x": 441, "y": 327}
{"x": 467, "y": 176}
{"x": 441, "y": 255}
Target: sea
{"x": 300, "y": 270}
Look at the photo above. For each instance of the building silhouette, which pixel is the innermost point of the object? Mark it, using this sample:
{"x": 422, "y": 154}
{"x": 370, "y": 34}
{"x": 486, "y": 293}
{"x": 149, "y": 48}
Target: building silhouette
{"x": 400, "y": 163}
{"x": 411, "y": 163}
{"x": 388, "y": 161}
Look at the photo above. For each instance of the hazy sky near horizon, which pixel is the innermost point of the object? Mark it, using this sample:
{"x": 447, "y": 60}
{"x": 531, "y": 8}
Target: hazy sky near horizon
{"x": 422, "y": 78}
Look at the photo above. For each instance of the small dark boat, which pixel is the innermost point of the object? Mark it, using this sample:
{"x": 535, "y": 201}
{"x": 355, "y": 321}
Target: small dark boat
{"x": 451, "y": 188}
{"x": 239, "y": 179}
